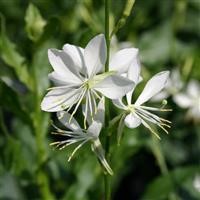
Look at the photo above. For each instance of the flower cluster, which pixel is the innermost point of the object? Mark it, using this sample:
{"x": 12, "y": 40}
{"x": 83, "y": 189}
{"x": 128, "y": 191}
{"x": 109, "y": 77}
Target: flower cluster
{"x": 185, "y": 95}
{"x": 80, "y": 79}
{"x": 190, "y": 99}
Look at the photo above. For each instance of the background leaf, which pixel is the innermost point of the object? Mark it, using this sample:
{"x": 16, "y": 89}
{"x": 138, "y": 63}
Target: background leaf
{"x": 34, "y": 23}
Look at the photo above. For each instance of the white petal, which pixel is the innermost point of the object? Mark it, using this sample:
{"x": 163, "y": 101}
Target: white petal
{"x": 64, "y": 117}
{"x": 193, "y": 88}
{"x": 59, "y": 99}
{"x": 95, "y": 55}
{"x": 160, "y": 96}
{"x": 153, "y": 87}
{"x": 134, "y": 75}
{"x": 88, "y": 108}
{"x": 175, "y": 83}
{"x": 100, "y": 153}
{"x": 95, "y": 129}
{"x": 194, "y": 113}
{"x": 60, "y": 80}
{"x": 114, "y": 87}
{"x": 132, "y": 121}
{"x": 63, "y": 65}
{"x": 183, "y": 100}
{"x": 121, "y": 61}
{"x": 77, "y": 55}
{"x": 100, "y": 114}
{"x": 98, "y": 111}
{"x": 118, "y": 103}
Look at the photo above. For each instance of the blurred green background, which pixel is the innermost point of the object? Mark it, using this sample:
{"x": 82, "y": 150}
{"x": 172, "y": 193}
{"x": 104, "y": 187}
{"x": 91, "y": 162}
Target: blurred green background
{"x": 167, "y": 34}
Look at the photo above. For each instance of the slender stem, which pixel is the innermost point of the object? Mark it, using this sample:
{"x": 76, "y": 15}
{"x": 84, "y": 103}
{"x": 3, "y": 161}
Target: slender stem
{"x": 157, "y": 151}
{"x": 107, "y": 33}
{"x": 107, "y": 186}
{"x": 3, "y": 126}
{"x": 41, "y": 177}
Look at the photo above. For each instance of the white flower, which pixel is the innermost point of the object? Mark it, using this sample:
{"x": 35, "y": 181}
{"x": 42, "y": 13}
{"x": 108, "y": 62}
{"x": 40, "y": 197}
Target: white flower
{"x": 196, "y": 182}
{"x": 76, "y": 76}
{"x": 115, "y": 45}
{"x": 190, "y": 99}
{"x": 79, "y": 136}
{"x": 173, "y": 86}
{"x": 136, "y": 113}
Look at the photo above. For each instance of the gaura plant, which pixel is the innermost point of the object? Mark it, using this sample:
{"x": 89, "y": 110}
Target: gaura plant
{"x": 89, "y": 77}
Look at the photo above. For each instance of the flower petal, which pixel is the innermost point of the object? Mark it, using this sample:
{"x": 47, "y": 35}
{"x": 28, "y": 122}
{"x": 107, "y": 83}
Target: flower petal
{"x": 100, "y": 153}
{"x": 95, "y": 129}
{"x": 160, "y": 96}
{"x": 183, "y": 100}
{"x": 100, "y": 114}
{"x": 63, "y": 65}
{"x": 64, "y": 117}
{"x": 153, "y": 87}
{"x": 134, "y": 75}
{"x": 59, "y": 99}
{"x": 60, "y": 80}
{"x": 122, "y": 60}
{"x": 193, "y": 89}
{"x": 95, "y": 55}
{"x": 131, "y": 121}
{"x": 114, "y": 87}
{"x": 77, "y": 55}
{"x": 119, "y": 104}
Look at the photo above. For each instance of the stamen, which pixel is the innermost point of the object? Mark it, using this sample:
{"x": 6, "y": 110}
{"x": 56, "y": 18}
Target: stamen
{"x": 79, "y": 102}
{"x": 94, "y": 102}
{"x": 149, "y": 127}
{"x": 155, "y": 109}
{"x": 66, "y": 143}
{"x": 164, "y": 103}
{"x": 152, "y": 118}
{"x": 96, "y": 94}
{"x": 86, "y": 111}
{"x": 75, "y": 100}
{"x": 90, "y": 105}
{"x": 72, "y": 134}
{"x": 159, "y": 119}
{"x": 76, "y": 149}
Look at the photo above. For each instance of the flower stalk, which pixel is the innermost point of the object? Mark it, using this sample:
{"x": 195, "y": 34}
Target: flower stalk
{"x": 107, "y": 185}
{"x": 126, "y": 12}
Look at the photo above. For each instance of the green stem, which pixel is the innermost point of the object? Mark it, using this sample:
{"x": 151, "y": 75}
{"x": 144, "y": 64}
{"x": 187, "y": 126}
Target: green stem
{"x": 107, "y": 186}
{"x": 3, "y": 126}
{"x": 126, "y": 12}
{"x": 41, "y": 177}
{"x": 107, "y": 33}
{"x": 157, "y": 151}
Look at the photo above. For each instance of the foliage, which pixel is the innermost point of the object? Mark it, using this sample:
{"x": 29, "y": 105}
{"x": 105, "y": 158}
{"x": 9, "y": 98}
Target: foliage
{"x": 167, "y": 34}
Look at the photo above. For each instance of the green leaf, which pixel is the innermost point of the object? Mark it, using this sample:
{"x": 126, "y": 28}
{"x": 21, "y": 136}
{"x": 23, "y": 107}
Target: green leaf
{"x": 41, "y": 67}
{"x": 10, "y": 188}
{"x": 155, "y": 45}
{"x": 12, "y": 58}
{"x": 11, "y": 101}
{"x": 162, "y": 186}
{"x": 34, "y": 23}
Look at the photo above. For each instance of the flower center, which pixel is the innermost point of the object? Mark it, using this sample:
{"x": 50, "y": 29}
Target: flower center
{"x": 91, "y": 82}
{"x": 131, "y": 108}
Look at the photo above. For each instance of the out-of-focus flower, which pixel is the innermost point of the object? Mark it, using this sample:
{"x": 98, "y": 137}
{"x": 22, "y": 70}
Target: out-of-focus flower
{"x": 173, "y": 86}
{"x": 190, "y": 99}
{"x": 196, "y": 183}
{"x": 115, "y": 45}
{"x": 77, "y": 135}
{"x": 76, "y": 76}
{"x": 136, "y": 113}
